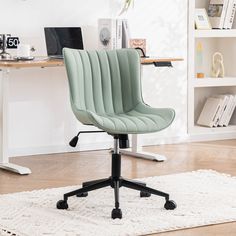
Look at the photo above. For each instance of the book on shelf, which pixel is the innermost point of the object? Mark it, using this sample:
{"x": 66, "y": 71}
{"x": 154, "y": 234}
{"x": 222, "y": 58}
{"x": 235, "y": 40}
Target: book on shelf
{"x": 217, "y": 111}
{"x": 119, "y": 33}
{"x": 222, "y": 108}
{"x": 125, "y": 34}
{"x": 209, "y": 111}
{"x": 230, "y": 13}
{"x": 225, "y": 114}
{"x": 107, "y": 33}
{"x": 113, "y": 33}
{"x": 230, "y": 111}
{"x": 217, "y": 13}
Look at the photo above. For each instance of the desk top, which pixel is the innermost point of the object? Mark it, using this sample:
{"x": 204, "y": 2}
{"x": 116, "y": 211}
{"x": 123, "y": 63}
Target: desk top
{"x": 42, "y": 62}
{"x": 152, "y": 60}
{"x": 37, "y": 62}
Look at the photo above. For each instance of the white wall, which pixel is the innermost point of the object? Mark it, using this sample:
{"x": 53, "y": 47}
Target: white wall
{"x": 39, "y": 111}
{"x": 164, "y": 24}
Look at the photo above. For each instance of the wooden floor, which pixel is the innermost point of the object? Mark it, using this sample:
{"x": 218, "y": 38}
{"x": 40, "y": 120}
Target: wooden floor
{"x": 74, "y": 168}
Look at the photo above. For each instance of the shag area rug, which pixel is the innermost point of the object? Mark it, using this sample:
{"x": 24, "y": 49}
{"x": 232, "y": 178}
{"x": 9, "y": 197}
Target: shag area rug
{"x": 203, "y": 197}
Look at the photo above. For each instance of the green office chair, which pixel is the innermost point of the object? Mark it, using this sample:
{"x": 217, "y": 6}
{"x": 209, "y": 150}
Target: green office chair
{"x": 105, "y": 91}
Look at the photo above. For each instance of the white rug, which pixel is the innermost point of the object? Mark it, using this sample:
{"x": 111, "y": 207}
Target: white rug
{"x": 204, "y": 197}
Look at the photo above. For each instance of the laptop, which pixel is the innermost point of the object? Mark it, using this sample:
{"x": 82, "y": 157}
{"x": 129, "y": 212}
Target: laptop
{"x": 59, "y": 37}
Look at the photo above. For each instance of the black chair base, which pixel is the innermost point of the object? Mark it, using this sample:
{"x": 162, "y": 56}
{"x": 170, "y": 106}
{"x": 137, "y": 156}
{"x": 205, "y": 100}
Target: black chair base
{"x": 116, "y": 182}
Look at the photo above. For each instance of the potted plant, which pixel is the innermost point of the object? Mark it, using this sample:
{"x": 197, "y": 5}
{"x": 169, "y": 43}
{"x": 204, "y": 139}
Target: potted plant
{"x": 126, "y": 6}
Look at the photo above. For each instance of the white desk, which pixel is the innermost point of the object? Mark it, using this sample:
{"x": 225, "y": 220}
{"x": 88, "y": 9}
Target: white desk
{"x": 5, "y": 67}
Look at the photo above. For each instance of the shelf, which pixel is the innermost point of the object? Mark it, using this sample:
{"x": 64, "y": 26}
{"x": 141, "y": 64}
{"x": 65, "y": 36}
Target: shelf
{"x": 207, "y": 130}
{"x": 215, "y": 33}
{"x": 214, "y": 82}
{"x": 212, "y": 40}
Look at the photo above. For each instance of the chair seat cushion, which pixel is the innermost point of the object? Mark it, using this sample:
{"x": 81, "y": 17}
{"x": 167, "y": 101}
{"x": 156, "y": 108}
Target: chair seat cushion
{"x": 142, "y": 119}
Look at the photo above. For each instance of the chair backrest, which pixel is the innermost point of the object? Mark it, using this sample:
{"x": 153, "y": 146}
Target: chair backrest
{"x": 103, "y": 81}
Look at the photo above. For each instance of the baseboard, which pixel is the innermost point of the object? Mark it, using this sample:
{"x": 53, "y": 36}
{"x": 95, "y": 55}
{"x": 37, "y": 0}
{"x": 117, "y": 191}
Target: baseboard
{"x": 211, "y": 137}
{"x": 188, "y": 138}
{"x": 14, "y": 152}
{"x": 146, "y": 141}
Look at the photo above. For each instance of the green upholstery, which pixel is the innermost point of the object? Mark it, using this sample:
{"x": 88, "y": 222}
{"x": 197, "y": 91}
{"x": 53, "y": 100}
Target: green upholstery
{"x": 105, "y": 91}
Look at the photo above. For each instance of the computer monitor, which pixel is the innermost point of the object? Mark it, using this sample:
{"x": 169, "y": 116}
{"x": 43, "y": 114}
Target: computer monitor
{"x": 59, "y": 37}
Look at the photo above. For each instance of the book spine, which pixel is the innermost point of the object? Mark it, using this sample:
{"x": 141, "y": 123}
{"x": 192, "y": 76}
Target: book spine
{"x": 225, "y": 114}
{"x": 113, "y": 34}
{"x": 125, "y": 34}
{"x": 230, "y": 112}
{"x": 222, "y": 110}
{"x": 118, "y": 33}
{"x": 223, "y": 14}
{"x": 228, "y": 14}
{"x": 231, "y": 19}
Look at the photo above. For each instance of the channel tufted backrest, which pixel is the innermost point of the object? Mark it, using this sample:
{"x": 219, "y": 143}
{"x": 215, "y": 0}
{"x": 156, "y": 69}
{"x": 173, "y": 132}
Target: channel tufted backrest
{"x": 103, "y": 82}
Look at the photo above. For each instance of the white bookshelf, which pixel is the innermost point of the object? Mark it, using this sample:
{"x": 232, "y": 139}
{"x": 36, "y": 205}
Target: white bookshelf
{"x": 199, "y": 90}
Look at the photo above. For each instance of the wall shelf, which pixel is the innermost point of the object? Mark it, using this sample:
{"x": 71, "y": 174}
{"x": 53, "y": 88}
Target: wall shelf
{"x": 214, "y": 33}
{"x": 214, "y": 82}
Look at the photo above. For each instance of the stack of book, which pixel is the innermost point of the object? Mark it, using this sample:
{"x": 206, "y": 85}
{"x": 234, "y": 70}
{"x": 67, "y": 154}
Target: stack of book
{"x": 217, "y": 111}
{"x": 221, "y": 13}
{"x": 113, "y": 33}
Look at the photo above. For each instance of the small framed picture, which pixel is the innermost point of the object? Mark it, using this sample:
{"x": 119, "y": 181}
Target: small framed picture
{"x": 201, "y": 19}
{"x": 139, "y": 45}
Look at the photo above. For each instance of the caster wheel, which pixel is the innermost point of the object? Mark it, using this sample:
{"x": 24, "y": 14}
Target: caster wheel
{"x": 62, "y": 204}
{"x": 145, "y": 194}
{"x": 82, "y": 194}
{"x": 170, "y": 205}
{"x": 116, "y": 213}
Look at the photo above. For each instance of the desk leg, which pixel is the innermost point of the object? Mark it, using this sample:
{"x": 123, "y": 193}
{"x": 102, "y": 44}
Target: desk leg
{"x": 4, "y": 158}
{"x": 136, "y": 151}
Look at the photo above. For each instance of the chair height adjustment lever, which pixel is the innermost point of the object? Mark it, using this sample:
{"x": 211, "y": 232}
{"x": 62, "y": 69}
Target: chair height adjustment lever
{"x": 74, "y": 140}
